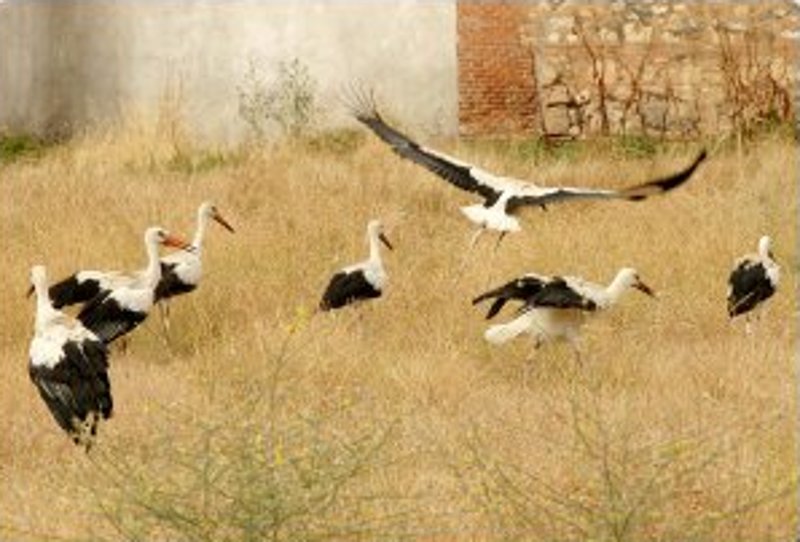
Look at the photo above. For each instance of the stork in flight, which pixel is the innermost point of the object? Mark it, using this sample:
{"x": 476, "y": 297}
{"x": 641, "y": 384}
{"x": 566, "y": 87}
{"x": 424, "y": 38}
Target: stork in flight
{"x": 68, "y": 364}
{"x": 503, "y": 197}
{"x": 555, "y": 307}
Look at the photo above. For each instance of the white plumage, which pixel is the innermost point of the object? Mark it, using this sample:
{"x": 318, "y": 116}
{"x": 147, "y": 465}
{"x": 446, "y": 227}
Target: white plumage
{"x": 68, "y": 365}
{"x": 503, "y": 196}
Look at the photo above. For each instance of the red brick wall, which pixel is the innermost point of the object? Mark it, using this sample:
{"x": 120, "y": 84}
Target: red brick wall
{"x": 495, "y": 71}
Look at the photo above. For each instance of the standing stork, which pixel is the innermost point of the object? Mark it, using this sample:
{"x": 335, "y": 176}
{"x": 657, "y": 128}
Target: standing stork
{"x": 503, "y": 197}
{"x": 181, "y": 271}
{"x": 753, "y": 280}
{"x": 364, "y": 280}
{"x": 117, "y": 311}
{"x": 68, "y": 364}
{"x": 557, "y": 306}
{"x": 83, "y": 286}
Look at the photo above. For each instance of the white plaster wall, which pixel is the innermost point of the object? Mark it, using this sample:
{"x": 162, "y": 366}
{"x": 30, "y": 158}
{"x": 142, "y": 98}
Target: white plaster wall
{"x": 73, "y": 62}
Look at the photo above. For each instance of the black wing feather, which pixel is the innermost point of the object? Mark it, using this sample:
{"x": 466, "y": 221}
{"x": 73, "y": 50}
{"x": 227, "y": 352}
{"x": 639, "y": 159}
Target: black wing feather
{"x": 345, "y": 288}
{"x": 170, "y": 284}
{"x": 456, "y": 174}
{"x": 520, "y": 289}
{"x": 633, "y": 193}
{"x": 750, "y": 286}
{"x": 71, "y": 291}
{"x": 558, "y": 294}
{"x": 107, "y": 319}
{"x": 664, "y": 184}
{"x": 77, "y": 386}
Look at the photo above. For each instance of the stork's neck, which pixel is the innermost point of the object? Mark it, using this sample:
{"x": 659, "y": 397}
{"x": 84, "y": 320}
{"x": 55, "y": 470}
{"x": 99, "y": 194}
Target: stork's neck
{"x": 617, "y": 287}
{"x": 152, "y": 272}
{"x": 764, "y": 251}
{"x": 200, "y": 233}
{"x": 374, "y": 248}
{"x": 44, "y": 308}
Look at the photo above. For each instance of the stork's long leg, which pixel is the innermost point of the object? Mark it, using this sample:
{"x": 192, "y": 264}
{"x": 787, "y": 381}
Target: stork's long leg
{"x": 575, "y": 342}
{"x": 123, "y": 345}
{"x": 466, "y": 259}
{"x": 490, "y": 279}
{"x": 530, "y": 360}
{"x": 499, "y": 240}
{"x": 474, "y": 240}
{"x": 163, "y": 310}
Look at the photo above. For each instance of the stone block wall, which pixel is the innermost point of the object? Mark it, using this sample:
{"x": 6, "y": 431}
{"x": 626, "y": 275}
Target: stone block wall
{"x": 671, "y": 69}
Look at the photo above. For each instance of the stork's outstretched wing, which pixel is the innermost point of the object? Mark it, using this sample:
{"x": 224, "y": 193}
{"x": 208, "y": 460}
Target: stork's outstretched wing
{"x": 458, "y": 173}
{"x": 543, "y": 196}
{"x": 490, "y": 186}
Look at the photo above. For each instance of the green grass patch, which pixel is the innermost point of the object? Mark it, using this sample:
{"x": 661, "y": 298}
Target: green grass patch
{"x": 200, "y": 162}
{"x": 340, "y": 142}
{"x": 18, "y": 146}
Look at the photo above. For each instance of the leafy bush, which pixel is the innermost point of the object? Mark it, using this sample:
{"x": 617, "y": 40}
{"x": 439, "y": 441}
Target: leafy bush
{"x": 621, "y": 491}
{"x": 260, "y": 465}
{"x": 288, "y": 102}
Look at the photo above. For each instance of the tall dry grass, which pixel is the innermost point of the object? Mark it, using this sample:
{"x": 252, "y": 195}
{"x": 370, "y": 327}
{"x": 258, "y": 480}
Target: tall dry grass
{"x": 259, "y": 420}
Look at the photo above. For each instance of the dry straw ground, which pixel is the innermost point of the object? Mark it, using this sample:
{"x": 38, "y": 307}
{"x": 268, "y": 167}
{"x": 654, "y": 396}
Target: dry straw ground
{"x": 259, "y": 421}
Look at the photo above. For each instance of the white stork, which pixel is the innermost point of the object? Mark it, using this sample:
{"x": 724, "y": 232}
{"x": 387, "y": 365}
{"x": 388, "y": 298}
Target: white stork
{"x": 555, "y": 307}
{"x": 83, "y": 286}
{"x": 69, "y": 366}
{"x": 364, "y": 280}
{"x": 120, "y": 309}
{"x": 753, "y": 280}
{"x": 503, "y": 197}
{"x": 181, "y": 271}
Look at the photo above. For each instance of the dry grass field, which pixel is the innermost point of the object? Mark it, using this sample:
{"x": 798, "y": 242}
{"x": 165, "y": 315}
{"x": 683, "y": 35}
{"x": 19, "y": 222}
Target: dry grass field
{"x": 260, "y": 420}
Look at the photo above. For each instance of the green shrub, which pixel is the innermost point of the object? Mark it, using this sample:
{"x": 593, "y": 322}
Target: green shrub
{"x": 288, "y": 102}
{"x": 14, "y": 147}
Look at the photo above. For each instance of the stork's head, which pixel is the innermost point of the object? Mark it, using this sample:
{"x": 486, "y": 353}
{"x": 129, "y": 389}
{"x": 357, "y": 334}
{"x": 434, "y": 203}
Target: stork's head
{"x": 375, "y": 230}
{"x": 209, "y": 210}
{"x": 159, "y": 236}
{"x": 629, "y": 278}
{"x": 765, "y": 247}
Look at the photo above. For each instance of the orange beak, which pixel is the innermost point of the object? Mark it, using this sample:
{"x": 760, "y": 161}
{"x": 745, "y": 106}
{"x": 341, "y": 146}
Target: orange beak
{"x": 176, "y": 242}
{"x": 224, "y": 223}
